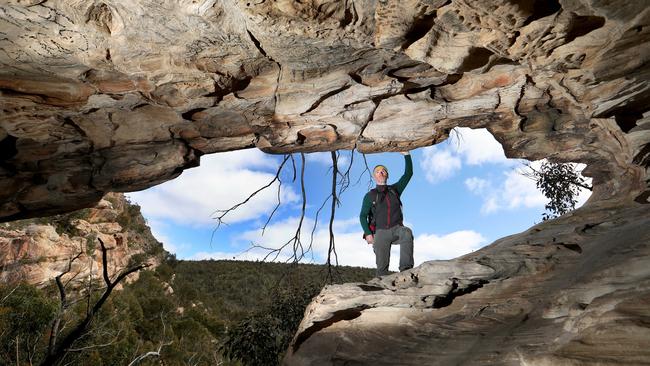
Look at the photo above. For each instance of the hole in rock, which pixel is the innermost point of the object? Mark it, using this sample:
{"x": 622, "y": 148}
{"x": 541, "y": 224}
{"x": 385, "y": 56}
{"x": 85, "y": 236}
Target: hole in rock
{"x": 371, "y": 288}
{"x": 478, "y": 57}
{"x": 188, "y": 115}
{"x": 631, "y": 111}
{"x": 8, "y": 147}
{"x": 464, "y": 194}
{"x": 539, "y": 8}
{"x": 627, "y": 121}
{"x": 241, "y": 84}
{"x": 573, "y": 247}
{"x": 348, "y": 18}
{"x": 582, "y": 25}
{"x": 420, "y": 27}
{"x": 456, "y": 291}
{"x": 337, "y": 316}
{"x": 235, "y": 85}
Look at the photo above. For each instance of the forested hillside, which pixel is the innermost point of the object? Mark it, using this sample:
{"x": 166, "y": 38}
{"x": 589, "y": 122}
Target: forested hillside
{"x": 191, "y": 312}
{"x": 173, "y": 313}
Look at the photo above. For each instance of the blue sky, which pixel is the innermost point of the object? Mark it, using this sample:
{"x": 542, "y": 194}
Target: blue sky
{"x": 464, "y": 194}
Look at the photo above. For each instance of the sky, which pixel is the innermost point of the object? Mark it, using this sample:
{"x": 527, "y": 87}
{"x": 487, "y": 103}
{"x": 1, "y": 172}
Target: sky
{"x": 464, "y": 194}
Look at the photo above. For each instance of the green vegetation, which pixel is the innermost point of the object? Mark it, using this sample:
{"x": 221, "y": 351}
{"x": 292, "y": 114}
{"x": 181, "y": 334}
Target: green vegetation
{"x": 183, "y": 312}
{"x": 560, "y": 183}
{"x": 204, "y": 313}
{"x": 25, "y": 313}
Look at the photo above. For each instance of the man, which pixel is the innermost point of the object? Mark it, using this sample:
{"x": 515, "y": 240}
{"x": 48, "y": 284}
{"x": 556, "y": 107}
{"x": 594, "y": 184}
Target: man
{"x": 381, "y": 218}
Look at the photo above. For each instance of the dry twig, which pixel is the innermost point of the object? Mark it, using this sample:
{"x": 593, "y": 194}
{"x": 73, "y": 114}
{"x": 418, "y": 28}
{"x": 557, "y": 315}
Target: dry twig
{"x": 56, "y": 353}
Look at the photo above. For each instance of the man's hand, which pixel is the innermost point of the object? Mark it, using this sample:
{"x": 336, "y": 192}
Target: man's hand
{"x": 370, "y": 239}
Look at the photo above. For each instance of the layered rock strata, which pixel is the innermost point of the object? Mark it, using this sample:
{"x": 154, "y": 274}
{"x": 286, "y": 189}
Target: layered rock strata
{"x": 109, "y": 95}
{"x": 118, "y": 96}
{"x": 36, "y": 251}
{"x": 572, "y": 291}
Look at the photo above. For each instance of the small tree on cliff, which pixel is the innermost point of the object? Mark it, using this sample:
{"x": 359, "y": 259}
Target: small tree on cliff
{"x": 560, "y": 183}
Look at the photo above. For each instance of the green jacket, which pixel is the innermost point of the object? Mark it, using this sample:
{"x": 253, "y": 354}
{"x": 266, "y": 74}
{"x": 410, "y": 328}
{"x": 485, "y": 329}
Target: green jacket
{"x": 399, "y": 186}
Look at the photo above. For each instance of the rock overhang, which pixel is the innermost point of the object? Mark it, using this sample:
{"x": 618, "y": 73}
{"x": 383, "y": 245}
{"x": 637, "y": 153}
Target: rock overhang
{"x": 109, "y": 96}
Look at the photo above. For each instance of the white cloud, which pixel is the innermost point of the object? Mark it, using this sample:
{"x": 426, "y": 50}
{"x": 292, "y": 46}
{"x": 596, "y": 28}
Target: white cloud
{"x": 476, "y": 185}
{"x": 221, "y": 181}
{"x": 325, "y": 158}
{"x": 439, "y": 164}
{"x": 464, "y": 146}
{"x": 515, "y": 191}
{"x": 477, "y": 146}
{"x": 431, "y": 246}
{"x": 351, "y": 248}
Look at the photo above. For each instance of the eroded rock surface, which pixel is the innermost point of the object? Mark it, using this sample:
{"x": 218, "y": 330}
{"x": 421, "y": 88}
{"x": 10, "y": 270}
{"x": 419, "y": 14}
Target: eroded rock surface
{"x": 102, "y": 96}
{"x": 110, "y": 95}
{"x": 36, "y": 251}
{"x": 573, "y": 291}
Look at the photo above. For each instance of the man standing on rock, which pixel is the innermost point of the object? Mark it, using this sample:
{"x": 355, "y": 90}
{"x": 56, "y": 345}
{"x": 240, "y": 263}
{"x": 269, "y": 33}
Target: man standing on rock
{"x": 381, "y": 218}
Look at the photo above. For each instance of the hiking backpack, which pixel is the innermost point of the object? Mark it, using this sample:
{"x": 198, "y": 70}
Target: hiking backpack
{"x": 371, "y": 216}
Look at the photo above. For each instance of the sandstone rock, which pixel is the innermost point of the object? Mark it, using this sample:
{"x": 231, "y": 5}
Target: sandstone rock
{"x": 120, "y": 96}
{"x": 115, "y": 96}
{"x": 36, "y": 253}
{"x": 565, "y": 292}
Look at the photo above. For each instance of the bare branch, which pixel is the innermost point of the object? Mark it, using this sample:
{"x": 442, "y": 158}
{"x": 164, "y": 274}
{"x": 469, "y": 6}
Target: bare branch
{"x": 107, "y": 280}
{"x": 56, "y": 324}
{"x": 81, "y": 349}
{"x": 345, "y": 177}
{"x": 332, "y": 248}
{"x": 223, "y": 213}
{"x": 279, "y": 199}
{"x": 313, "y": 229}
{"x": 366, "y": 170}
{"x": 59, "y": 351}
{"x": 9, "y": 294}
{"x": 297, "y": 244}
{"x": 295, "y": 241}
{"x": 293, "y": 165}
{"x": 160, "y": 346}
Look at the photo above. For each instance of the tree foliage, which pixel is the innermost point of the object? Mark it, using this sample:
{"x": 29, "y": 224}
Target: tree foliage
{"x": 25, "y": 314}
{"x": 262, "y": 338}
{"x": 560, "y": 183}
{"x": 181, "y": 313}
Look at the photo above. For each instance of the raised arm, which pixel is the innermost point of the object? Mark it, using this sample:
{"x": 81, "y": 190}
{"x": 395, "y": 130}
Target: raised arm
{"x": 408, "y": 173}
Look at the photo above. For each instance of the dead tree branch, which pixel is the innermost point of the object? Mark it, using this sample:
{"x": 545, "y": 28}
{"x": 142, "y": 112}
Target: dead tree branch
{"x": 335, "y": 202}
{"x": 63, "y": 305}
{"x": 313, "y": 229}
{"x": 153, "y": 353}
{"x": 220, "y": 214}
{"x": 295, "y": 241}
{"x": 58, "y": 352}
{"x": 366, "y": 170}
{"x": 344, "y": 184}
{"x": 93, "y": 346}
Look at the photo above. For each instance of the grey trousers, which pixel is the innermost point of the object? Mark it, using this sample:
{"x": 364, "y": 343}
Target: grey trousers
{"x": 384, "y": 238}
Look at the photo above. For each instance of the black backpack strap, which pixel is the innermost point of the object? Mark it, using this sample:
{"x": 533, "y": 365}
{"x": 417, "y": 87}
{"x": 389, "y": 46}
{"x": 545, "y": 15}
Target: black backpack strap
{"x": 371, "y": 214}
{"x": 392, "y": 188}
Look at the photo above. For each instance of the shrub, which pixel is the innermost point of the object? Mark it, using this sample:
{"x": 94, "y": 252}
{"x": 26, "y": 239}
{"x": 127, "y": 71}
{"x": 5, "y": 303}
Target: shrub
{"x": 25, "y": 314}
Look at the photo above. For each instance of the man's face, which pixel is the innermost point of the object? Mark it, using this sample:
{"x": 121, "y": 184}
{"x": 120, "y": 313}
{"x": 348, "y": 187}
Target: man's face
{"x": 380, "y": 174}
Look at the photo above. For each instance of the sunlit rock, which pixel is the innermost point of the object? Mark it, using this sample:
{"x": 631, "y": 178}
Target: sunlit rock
{"x": 120, "y": 96}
